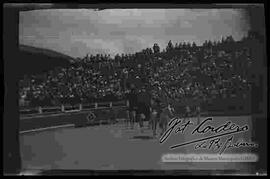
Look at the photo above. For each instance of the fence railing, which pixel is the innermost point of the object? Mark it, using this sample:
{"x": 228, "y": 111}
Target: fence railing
{"x": 70, "y": 108}
{"x": 214, "y": 107}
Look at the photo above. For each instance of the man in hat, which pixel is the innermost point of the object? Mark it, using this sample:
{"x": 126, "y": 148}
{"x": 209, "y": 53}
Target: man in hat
{"x": 144, "y": 102}
{"x": 156, "y": 110}
{"x": 132, "y": 105}
{"x": 187, "y": 113}
{"x": 166, "y": 114}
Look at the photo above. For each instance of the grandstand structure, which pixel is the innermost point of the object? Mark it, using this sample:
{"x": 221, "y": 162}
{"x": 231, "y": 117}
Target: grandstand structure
{"x": 217, "y": 76}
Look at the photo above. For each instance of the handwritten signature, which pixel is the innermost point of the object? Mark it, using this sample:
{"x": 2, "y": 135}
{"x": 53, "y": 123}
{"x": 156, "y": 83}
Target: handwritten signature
{"x": 211, "y": 142}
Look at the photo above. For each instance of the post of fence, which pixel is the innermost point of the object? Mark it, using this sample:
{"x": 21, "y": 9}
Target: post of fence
{"x": 110, "y": 104}
{"x": 80, "y": 107}
{"x": 96, "y": 105}
{"x": 62, "y": 108}
{"x": 39, "y": 110}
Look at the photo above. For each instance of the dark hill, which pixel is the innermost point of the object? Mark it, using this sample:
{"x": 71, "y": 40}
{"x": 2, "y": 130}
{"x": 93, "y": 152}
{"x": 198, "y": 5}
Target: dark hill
{"x": 34, "y": 60}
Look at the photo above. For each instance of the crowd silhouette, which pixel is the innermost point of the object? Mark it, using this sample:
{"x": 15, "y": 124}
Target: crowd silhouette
{"x": 181, "y": 72}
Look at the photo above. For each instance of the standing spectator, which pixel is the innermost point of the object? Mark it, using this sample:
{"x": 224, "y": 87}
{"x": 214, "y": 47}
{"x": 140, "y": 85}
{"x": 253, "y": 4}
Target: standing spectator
{"x": 144, "y": 101}
{"x": 132, "y": 105}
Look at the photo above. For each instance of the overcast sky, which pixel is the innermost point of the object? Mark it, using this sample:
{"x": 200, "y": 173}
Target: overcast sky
{"x": 76, "y": 32}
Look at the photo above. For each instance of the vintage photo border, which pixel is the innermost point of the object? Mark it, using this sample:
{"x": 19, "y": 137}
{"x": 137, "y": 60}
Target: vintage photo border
{"x": 13, "y": 68}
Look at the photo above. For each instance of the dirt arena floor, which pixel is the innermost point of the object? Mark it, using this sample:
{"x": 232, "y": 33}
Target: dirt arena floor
{"x": 118, "y": 147}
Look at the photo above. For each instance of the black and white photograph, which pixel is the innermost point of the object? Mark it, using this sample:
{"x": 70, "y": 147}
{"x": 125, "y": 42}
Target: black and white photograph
{"x": 135, "y": 89}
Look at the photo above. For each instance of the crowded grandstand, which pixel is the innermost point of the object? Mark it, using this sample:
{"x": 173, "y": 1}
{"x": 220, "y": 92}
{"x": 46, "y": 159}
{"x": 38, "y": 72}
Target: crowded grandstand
{"x": 183, "y": 72}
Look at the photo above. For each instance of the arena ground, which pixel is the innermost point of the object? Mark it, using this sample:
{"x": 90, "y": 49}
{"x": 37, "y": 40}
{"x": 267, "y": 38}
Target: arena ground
{"x": 117, "y": 147}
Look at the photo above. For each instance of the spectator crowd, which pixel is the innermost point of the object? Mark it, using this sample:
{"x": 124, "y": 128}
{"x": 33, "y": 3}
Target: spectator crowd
{"x": 182, "y": 72}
